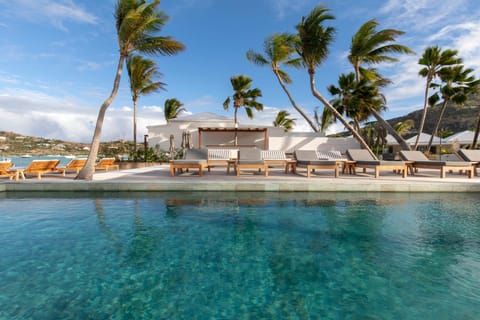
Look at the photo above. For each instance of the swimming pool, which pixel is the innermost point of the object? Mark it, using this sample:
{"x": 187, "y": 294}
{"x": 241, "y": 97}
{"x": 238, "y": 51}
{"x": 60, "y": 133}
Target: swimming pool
{"x": 239, "y": 256}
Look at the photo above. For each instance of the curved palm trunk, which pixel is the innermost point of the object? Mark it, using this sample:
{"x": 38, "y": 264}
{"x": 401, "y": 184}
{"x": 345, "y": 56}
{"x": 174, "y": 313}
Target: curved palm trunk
{"x": 87, "y": 172}
{"x": 317, "y": 95}
{"x": 403, "y": 144}
{"x": 475, "y": 136}
{"x": 135, "y": 128}
{"x": 299, "y": 110}
{"x": 424, "y": 116}
{"x": 437, "y": 125}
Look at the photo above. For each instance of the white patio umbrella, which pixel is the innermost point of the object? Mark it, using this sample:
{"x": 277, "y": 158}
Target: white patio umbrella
{"x": 172, "y": 147}
{"x": 189, "y": 140}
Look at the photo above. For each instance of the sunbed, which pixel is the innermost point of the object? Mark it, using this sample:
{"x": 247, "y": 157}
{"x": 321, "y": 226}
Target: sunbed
{"x": 221, "y": 157}
{"x": 330, "y": 155}
{"x": 471, "y": 156}
{"x": 40, "y": 167}
{"x": 251, "y": 158}
{"x": 6, "y": 171}
{"x": 416, "y": 159}
{"x": 194, "y": 159}
{"x": 277, "y": 158}
{"x": 309, "y": 159}
{"x": 74, "y": 165}
{"x": 106, "y": 164}
{"x": 363, "y": 159}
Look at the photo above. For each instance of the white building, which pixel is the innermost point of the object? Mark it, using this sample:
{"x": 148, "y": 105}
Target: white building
{"x": 212, "y": 130}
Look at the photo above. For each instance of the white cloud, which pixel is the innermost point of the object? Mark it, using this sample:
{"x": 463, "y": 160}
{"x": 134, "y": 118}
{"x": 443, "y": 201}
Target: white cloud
{"x": 422, "y": 14}
{"x": 54, "y": 12}
{"x": 65, "y": 118}
{"x": 284, "y": 7}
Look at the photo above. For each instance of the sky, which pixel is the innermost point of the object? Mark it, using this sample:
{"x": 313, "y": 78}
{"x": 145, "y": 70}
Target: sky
{"x": 58, "y": 59}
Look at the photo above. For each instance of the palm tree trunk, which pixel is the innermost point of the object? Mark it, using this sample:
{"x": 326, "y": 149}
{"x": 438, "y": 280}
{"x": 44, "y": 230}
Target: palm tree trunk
{"x": 357, "y": 71}
{"x": 437, "y": 125}
{"x": 309, "y": 121}
{"x": 475, "y": 135}
{"x": 87, "y": 172}
{"x": 337, "y": 114}
{"x": 135, "y": 128}
{"x": 235, "y": 137}
{"x": 424, "y": 116}
{"x": 403, "y": 144}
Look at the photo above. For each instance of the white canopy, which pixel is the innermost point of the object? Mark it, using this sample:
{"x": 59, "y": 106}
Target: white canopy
{"x": 424, "y": 139}
{"x": 464, "y": 137}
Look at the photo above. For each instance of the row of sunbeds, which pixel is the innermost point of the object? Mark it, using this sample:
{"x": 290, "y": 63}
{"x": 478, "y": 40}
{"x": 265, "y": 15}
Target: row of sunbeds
{"x": 41, "y": 167}
{"x": 311, "y": 160}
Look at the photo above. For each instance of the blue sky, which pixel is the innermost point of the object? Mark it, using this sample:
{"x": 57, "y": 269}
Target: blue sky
{"x": 58, "y": 59}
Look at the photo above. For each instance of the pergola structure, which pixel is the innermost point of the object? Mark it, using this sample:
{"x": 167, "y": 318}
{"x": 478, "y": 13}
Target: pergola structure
{"x": 238, "y": 130}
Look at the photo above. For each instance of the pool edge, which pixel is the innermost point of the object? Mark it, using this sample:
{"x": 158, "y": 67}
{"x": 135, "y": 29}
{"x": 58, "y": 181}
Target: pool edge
{"x": 241, "y": 186}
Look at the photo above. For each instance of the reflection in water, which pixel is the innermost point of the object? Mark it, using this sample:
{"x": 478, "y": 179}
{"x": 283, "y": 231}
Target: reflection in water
{"x": 241, "y": 255}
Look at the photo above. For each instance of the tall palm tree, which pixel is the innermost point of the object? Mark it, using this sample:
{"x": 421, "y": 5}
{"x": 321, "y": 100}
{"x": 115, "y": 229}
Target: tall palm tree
{"x": 283, "y": 120}
{"x": 350, "y": 99}
{"x": 476, "y": 134}
{"x": 279, "y": 50}
{"x": 142, "y": 73}
{"x": 312, "y": 46}
{"x": 137, "y": 23}
{"x": 244, "y": 97}
{"x": 172, "y": 109}
{"x": 434, "y": 60}
{"x": 458, "y": 83}
{"x": 369, "y": 47}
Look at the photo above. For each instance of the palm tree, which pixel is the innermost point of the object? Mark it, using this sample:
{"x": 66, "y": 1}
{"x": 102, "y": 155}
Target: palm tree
{"x": 142, "y": 73}
{"x": 283, "y": 120}
{"x": 279, "y": 50}
{"x": 403, "y": 127}
{"x": 476, "y": 134}
{"x": 458, "y": 83}
{"x": 350, "y": 99}
{"x": 172, "y": 109}
{"x": 137, "y": 23}
{"x": 433, "y": 60}
{"x": 244, "y": 97}
{"x": 312, "y": 46}
{"x": 370, "y": 46}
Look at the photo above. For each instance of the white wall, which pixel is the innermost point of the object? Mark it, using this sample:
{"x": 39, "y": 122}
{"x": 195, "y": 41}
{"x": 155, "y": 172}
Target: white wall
{"x": 278, "y": 139}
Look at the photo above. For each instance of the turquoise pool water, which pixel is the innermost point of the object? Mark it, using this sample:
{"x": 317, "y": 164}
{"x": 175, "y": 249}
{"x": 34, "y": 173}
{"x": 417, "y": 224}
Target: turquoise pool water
{"x": 239, "y": 256}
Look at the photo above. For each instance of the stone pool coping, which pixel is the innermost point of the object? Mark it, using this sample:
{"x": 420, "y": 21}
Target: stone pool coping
{"x": 157, "y": 178}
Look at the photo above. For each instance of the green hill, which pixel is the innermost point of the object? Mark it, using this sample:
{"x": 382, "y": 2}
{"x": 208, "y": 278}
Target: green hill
{"x": 456, "y": 119}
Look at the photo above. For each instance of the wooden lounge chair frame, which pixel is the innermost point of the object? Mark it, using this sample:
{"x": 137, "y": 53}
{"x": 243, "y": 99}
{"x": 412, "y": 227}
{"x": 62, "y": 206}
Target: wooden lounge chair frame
{"x": 194, "y": 159}
{"x": 221, "y": 157}
{"x": 74, "y": 165}
{"x": 472, "y": 156}
{"x": 250, "y": 158}
{"x": 309, "y": 159}
{"x": 40, "y": 167}
{"x": 106, "y": 164}
{"x": 277, "y": 158}
{"x": 363, "y": 159}
{"x": 6, "y": 171}
{"x": 416, "y": 159}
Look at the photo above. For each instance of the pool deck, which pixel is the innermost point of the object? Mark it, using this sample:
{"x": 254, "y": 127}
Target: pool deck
{"x": 157, "y": 178}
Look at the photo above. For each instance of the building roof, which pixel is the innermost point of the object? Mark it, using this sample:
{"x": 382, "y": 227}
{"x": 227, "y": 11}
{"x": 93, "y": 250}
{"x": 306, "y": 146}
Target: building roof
{"x": 202, "y": 117}
{"x": 464, "y": 137}
{"x": 424, "y": 139}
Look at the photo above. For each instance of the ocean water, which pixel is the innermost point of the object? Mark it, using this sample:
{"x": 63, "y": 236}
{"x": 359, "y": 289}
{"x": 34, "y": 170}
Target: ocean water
{"x": 239, "y": 256}
{"x": 24, "y": 162}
